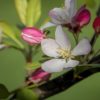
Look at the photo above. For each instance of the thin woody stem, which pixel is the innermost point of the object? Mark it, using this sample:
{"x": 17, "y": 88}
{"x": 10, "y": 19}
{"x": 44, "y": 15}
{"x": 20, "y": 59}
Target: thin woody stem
{"x": 29, "y": 55}
{"x": 93, "y": 39}
{"x": 76, "y": 38}
{"x": 63, "y": 82}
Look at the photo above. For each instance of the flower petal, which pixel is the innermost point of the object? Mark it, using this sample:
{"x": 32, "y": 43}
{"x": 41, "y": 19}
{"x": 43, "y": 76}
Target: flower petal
{"x": 54, "y": 65}
{"x": 70, "y": 7}
{"x": 49, "y": 47}
{"x": 83, "y": 48}
{"x": 49, "y": 24}
{"x": 71, "y": 63}
{"x": 61, "y": 38}
{"x": 32, "y": 35}
{"x": 58, "y": 16}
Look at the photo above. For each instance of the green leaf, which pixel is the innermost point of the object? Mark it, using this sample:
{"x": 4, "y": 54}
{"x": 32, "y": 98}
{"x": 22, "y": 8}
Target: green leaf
{"x": 7, "y": 29}
{"x": 90, "y": 3}
{"x": 33, "y": 12}
{"x": 27, "y": 94}
{"x": 3, "y": 92}
{"x": 21, "y": 6}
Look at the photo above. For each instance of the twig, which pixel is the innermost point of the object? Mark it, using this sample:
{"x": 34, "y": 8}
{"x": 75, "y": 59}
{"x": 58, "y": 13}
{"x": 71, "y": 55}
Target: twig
{"x": 63, "y": 82}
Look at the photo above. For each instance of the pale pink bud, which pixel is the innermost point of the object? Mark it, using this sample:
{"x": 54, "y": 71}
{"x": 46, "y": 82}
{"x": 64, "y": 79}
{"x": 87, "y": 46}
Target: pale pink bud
{"x": 32, "y": 35}
{"x": 39, "y": 75}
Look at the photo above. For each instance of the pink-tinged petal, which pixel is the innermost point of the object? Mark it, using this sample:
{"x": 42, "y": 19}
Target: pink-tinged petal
{"x": 58, "y": 16}
{"x": 53, "y": 65}
{"x": 32, "y": 35}
{"x": 39, "y": 75}
{"x": 32, "y": 31}
{"x": 82, "y": 16}
{"x": 96, "y": 25}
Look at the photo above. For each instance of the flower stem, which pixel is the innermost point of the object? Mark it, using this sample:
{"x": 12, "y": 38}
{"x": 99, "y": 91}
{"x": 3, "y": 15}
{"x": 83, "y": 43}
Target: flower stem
{"x": 93, "y": 39}
{"x": 97, "y": 52}
{"x": 29, "y": 55}
{"x": 76, "y": 36}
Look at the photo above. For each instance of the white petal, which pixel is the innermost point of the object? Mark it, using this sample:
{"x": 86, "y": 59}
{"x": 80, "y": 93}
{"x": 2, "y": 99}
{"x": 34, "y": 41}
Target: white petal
{"x": 71, "y": 63}
{"x": 70, "y": 8}
{"x": 83, "y": 48}
{"x": 58, "y": 15}
{"x": 67, "y": 4}
{"x": 56, "y": 22}
{"x": 54, "y": 65}
{"x": 49, "y": 24}
{"x": 61, "y": 38}
{"x": 49, "y": 47}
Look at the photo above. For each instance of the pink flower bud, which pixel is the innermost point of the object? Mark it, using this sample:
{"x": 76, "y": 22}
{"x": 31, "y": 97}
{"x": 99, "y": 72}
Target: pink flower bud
{"x": 39, "y": 76}
{"x": 96, "y": 25}
{"x": 82, "y": 16}
{"x": 32, "y": 35}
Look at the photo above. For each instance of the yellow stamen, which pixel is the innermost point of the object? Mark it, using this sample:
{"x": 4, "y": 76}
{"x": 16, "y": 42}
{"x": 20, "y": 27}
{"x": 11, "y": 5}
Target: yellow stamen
{"x": 65, "y": 54}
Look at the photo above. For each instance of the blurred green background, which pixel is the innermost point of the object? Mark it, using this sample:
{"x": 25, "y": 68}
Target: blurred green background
{"x": 12, "y": 62}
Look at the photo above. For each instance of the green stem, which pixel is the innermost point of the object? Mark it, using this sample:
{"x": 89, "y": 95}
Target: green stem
{"x": 93, "y": 40}
{"x": 32, "y": 86}
{"x": 76, "y": 36}
{"x": 90, "y": 65}
{"x": 29, "y": 55}
{"x": 98, "y": 51}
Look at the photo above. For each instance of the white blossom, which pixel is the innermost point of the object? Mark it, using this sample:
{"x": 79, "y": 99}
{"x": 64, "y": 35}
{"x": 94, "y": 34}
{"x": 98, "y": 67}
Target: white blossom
{"x": 62, "y": 15}
{"x": 63, "y": 56}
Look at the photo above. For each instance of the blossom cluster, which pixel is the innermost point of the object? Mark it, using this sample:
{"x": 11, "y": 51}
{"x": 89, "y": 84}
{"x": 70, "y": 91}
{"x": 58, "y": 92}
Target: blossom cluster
{"x": 59, "y": 50}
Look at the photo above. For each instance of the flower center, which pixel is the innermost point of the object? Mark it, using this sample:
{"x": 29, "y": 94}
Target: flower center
{"x": 65, "y": 54}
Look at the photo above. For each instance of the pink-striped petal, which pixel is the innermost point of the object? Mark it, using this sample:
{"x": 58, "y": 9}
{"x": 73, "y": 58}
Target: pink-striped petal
{"x": 32, "y": 35}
